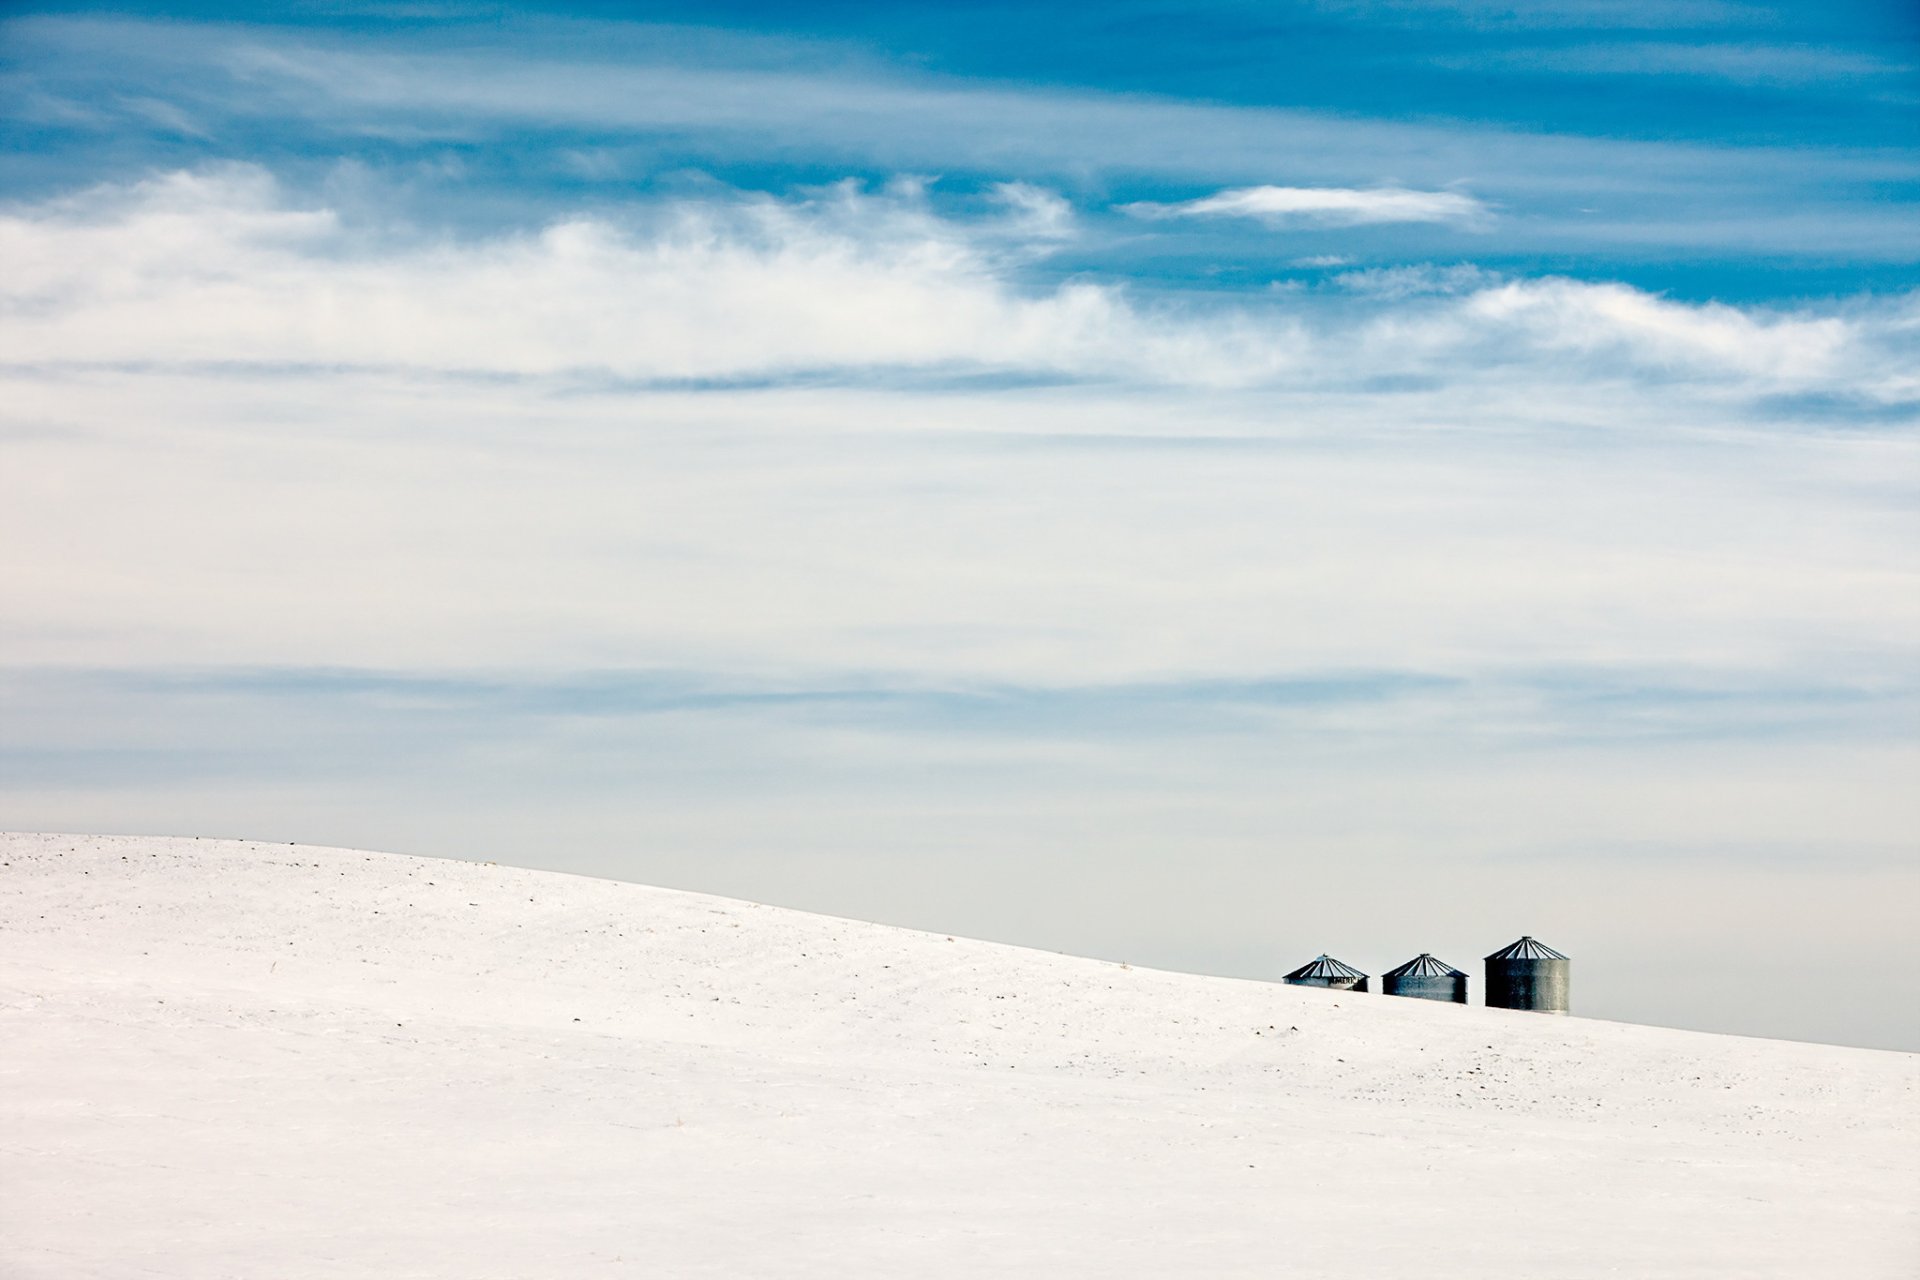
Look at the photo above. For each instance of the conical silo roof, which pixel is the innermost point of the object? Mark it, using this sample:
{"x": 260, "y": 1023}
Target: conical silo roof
{"x": 1324, "y": 967}
{"x": 1424, "y": 966}
{"x": 1526, "y": 949}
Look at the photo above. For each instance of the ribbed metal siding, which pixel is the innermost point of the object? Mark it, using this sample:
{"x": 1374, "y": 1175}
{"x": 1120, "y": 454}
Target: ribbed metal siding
{"x": 1332, "y": 984}
{"x": 1448, "y": 987}
{"x": 1543, "y": 986}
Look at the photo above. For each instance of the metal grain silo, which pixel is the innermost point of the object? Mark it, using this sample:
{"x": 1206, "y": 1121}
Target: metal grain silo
{"x": 1425, "y": 978}
{"x": 1528, "y": 975}
{"x": 1325, "y": 971}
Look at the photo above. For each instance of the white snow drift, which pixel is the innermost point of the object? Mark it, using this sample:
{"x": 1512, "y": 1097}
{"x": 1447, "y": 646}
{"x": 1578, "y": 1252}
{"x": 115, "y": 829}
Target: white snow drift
{"x": 227, "y": 1059}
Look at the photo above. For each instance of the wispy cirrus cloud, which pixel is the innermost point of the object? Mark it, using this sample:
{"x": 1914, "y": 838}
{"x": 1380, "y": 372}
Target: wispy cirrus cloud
{"x": 1326, "y": 206}
{"x": 841, "y": 281}
{"x": 1546, "y": 14}
{"x": 620, "y": 104}
{"x": 1743, "y": 64}
{"x": 178, "y": 309}
{"x": 1418, "y": 280}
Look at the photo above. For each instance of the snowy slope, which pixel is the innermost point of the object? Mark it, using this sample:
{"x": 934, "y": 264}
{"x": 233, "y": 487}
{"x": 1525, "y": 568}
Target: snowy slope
{"x": 226, "y": 1059}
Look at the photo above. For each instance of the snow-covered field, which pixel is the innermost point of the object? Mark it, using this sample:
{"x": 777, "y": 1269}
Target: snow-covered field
{"x": 226, "y": 1059}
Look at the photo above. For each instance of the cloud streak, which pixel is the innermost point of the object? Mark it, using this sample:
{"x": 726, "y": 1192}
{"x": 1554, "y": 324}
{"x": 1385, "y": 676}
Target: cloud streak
{"x": 1326, "y": 206}
{"x": 203, "y": 352}
{"x": 615, "y": 103}
{"x": 844, "y": 283}
{"x": 1744, "y": 64}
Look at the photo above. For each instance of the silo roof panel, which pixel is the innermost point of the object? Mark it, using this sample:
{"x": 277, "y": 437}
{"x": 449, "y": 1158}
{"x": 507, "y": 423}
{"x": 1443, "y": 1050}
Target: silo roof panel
{"x": 1424, "y": 966}
{"x": 1526, "y": 949}
{"x": 1325, "y": 967}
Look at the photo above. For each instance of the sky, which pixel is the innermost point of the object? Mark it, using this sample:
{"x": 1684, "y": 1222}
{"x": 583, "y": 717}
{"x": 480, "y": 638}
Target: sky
{"x": 1200, "y": 485}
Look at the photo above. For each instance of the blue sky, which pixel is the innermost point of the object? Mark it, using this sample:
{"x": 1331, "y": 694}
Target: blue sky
{"x": 1199, "y": 485}
{"x": 1706, "y": 149}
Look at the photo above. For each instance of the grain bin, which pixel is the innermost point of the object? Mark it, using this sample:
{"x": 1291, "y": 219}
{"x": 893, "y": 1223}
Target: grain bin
{"x": 1325, "y": 971}
{"x": 1528, "y": 975}
{"x": 1425, "y": 978}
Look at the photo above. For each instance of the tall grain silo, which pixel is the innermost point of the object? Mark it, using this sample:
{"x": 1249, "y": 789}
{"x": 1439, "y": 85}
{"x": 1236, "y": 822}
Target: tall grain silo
{"x": 1529, "y": 975}
{"x": 1325, "y": 971}
{"x": 1425, "y": 978}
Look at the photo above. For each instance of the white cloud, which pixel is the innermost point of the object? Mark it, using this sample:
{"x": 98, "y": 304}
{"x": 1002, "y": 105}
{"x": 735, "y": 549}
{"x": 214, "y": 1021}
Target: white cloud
{"x": 224, "y": 267}
{"x": 728, "y": 100}
{"x": 1612, "y": 319}
{"x": 1414, "y": 281}
{"x": 1752, "y": 64}
{"x": 1043, "y": 537}
{"x": 1039, "y": 214}
{"x": 1326, "y": 206}
{"x": 182, "y": 316}
{"x": 218, "y": 266}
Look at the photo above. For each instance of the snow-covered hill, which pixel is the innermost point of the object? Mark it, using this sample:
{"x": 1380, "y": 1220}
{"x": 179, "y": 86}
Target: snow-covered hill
{"x": 226, "y": 1059}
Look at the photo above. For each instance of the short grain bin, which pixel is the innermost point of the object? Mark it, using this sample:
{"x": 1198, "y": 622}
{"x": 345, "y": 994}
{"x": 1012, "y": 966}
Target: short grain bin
{"x": 1325, "y": 971}
{"x": 1529, "y": 975}
{"x": 1425, "y": 978}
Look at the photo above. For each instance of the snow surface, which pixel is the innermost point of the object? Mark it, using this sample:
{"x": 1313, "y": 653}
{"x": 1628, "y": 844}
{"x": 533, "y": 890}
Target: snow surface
{"x": 229, "y": 1059}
